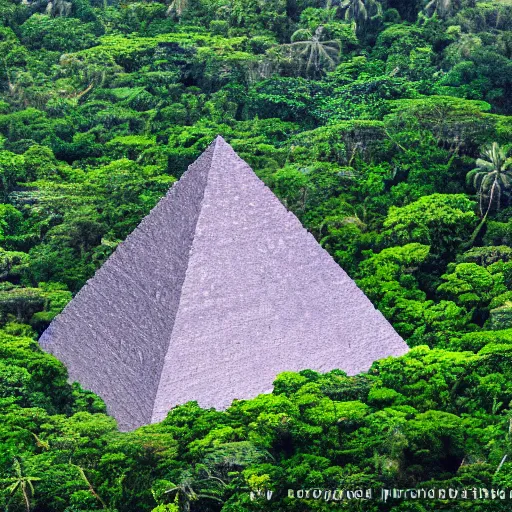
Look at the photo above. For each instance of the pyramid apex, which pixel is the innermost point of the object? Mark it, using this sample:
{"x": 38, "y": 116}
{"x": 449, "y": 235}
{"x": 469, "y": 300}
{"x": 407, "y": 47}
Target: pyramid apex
{"x": 220, "y": 143}
{"x": 222, "y": 150}
{"x": 220, "y": 139}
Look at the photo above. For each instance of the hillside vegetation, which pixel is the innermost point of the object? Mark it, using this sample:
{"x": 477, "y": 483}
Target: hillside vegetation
{"x": 385, "y": 126}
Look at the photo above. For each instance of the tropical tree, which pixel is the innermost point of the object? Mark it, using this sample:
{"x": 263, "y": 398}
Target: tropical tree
{"x": 186, "y": 494}
{"x": 491, "y": 177}
{"x": 359, "y": 11}
{"x": 20, "y": 484}
{"x": 59, "y": 8}
{"x": 442, "y": 8}
{"x": 176, "y": 8}
{"x": 314, "y": 54}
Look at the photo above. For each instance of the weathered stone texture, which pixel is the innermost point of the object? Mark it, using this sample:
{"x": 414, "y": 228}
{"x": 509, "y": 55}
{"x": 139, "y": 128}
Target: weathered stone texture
{"x": 217, "y": 291}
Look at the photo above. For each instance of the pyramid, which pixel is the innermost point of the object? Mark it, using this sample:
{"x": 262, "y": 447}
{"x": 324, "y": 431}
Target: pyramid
{"x": 217, "y": 291}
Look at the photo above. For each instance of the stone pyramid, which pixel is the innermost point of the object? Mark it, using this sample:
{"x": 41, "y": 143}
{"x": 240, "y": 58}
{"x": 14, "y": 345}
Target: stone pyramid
{"x": 217, "y": 290}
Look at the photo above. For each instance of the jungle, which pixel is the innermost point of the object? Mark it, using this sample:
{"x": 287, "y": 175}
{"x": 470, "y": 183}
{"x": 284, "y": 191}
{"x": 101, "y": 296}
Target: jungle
{"x": 384, "y": 125}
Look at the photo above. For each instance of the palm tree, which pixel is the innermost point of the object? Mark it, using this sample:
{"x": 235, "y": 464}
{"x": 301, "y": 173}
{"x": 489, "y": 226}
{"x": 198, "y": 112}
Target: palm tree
{"x": 20, "y": 484}
{"x": 176, "y": 8}
{"x": 359, "y": 11}
{"x": 313, "y": 53}
{"x": 59, "y": 8}
{"x": 492, "y": 178}
{"x": 186, "y": 493}
{"x": 442, "y": 8}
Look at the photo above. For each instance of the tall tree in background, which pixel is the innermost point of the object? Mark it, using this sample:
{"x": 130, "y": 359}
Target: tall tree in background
{"x": 443, "y": 8}
{"x": 492, "y": 179}
{"x": 313, "y": 53}
{"x": 176, "y": 8}
{"x": 59, "y": 8}
{"x": 20, "y": 484}
{"x": 360, "y": 11}
{"x": 492, "y": 176}
{"x": 186, "y": 493}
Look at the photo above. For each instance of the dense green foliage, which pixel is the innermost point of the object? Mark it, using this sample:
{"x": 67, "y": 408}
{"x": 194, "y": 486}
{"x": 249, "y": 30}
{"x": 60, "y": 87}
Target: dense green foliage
{"x": 384, "y": 125}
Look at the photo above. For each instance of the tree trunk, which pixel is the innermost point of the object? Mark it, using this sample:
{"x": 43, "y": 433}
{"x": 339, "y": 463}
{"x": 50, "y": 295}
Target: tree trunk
{"x": 484, "y": 219}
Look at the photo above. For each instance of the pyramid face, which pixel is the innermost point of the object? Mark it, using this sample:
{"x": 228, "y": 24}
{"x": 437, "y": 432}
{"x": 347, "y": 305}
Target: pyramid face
{"x": 217, "y": 290}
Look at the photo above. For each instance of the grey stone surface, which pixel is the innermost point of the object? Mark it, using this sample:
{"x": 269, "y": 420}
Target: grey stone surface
{"x": 218, "y": 290}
